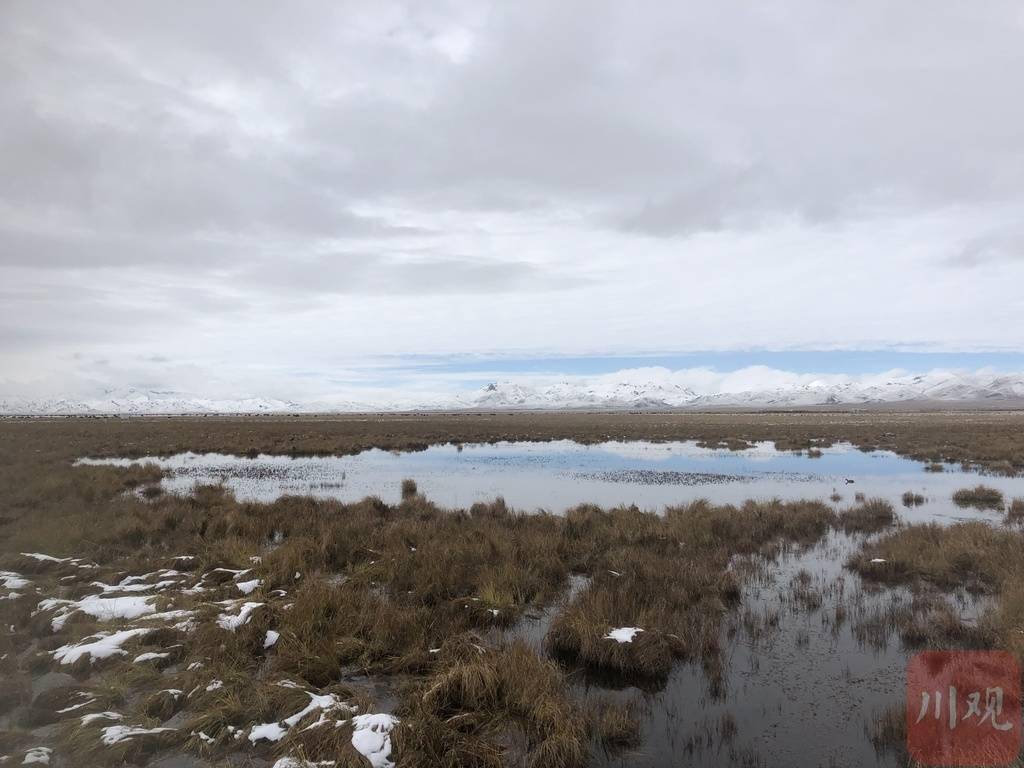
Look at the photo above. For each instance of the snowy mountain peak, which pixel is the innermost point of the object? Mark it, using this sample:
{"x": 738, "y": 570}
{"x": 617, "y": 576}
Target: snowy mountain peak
{"x": 642, "y": 388}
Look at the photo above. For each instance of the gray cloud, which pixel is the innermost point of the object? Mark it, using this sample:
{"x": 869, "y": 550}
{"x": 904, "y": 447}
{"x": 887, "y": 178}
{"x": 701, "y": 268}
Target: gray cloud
{"x": 183, "y": 180}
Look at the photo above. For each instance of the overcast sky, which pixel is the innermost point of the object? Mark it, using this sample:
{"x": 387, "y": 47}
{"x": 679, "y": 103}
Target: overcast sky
{"x": 276, "y": 198}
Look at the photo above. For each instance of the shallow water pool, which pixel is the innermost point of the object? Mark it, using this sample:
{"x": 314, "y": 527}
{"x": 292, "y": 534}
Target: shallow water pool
{"x": 557, "y": 475}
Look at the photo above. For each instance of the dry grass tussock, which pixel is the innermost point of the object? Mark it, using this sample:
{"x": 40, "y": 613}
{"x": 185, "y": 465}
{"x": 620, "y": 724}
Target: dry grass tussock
{"x": 868, "y": 516}
{"x": 981, "y": 496}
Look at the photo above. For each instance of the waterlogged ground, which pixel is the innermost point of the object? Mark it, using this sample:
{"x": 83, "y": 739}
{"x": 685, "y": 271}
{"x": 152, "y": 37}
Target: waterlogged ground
{"x": 811, "y": 659}
{"x": 557, "y": 475}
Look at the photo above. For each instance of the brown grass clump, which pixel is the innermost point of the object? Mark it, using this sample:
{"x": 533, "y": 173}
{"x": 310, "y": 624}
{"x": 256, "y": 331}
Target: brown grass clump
{"x": 409, "y": 489}
{"x": 980, "y": 496}
{"x": 481, "y": 704}
{"x": 912, "y": 499}
{"x": 1015, "y": 511}
{"x": 870, "y": 516}
{"x": 616, "y": 725}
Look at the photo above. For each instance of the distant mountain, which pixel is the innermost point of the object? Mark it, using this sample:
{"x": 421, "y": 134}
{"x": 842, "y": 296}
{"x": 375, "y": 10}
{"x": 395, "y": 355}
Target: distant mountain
{"x": 603, "y": 392}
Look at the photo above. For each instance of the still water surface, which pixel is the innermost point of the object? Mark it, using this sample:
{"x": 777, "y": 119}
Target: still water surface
{"x": 560, "y": 474}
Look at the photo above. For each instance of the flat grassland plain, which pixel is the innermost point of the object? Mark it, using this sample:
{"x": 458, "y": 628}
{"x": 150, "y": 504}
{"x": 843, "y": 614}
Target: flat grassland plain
{"x": 140, "y": 627}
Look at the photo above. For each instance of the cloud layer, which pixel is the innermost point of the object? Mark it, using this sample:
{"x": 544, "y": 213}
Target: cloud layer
{"x": 256, "y": 195}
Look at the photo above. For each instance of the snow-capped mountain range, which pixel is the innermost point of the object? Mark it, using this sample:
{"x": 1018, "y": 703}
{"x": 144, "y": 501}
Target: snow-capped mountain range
{"x": 603, "y": 392}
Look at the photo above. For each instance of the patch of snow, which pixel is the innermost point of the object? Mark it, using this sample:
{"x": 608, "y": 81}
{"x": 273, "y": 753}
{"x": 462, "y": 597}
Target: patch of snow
{"x": 292, "y": 762}
{"x": 371, "y": 737}
{"x": 12, "y": 580}
{"x": 150, "y": 656}
{"x": 40, "y": 755}
{"x": 101, "y": 608}
{"x": 231, "y": 623}
{"x": 86, "y": 719}
{"x": 81, "y": 694}
{"x": 100, "y": 646}
{"x": 46, "y": 558}
{"x": 623, "y": 634}
{"x": 117, "y": 733}
{"x": 215, "y": 685}
{"x": 271, "y": 639}
{"x": 246, "y": 587}
{"x": 134, "y": 586}
{"x": 878, "y": 560}
{"x": 276, "y": 731}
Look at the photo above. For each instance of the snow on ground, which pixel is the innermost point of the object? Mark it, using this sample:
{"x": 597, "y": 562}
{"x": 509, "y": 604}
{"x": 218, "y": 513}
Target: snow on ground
{"x": 37, "y": 756}
{"x": 150, "y": 656}
{"x": 623, "y": 634}
{"x": 246, "y": 587}
{"x": 232, "y": 622}
{"x": 140, "y": 583}
{"x": 99, "y": 646}
{"x": 294, "y": 762}
{"x": 88, "y": 699}
{"x": 46, "y": 558}
{"x": 327, "y": 702}
{"x": 271, "y": 639}
{"x": 114, "y": 734}
{"x": 12, "y": 580}
{"x": 102, "y": 608}
{"x": 86, "y": 719}
{"x": 371, "y": 737}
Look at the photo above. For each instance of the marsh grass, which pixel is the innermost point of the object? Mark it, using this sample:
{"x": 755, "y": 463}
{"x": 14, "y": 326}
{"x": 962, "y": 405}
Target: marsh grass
{"x": 912, "y": 499}
{"x": 377, "y": 589}
{"x": 1015, "y": 512}
{"x": 870, "y": 516}
{"x": 980, "y": 497}
{"x": 477, "y": 699}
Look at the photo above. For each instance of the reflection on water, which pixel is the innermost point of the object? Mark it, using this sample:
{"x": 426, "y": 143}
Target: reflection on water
{"x": 801, "y": 684}
{"x": 557, "y": 475}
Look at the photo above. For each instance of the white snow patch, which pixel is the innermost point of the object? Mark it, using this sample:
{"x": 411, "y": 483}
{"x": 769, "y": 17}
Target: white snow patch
{"x": 623, "y": 634}
{"x": 102, "y": 608}
{"x": 101, "y": 646}
{"x": 371, "y": 737}
{"x": 215, "y": 685}
{"x": 46, "y": 558}
{"x": 81, "y": 694}
{"x": 117, "y": 733}
{"x": 40, "y": 755}
{"x": 271, "y": 639}
{"x": 231, "y": 623}
{"x": 246, "y": 587}
{"x": 268, "y": 731}
{"x": 12, "y": 580}
{"x": 150, "y": 656}
{"x": 292, "y": 762}
{"x": 275, "y": 731}
{"x": 878, "y": 560}
{"x": 86, "y": 719}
